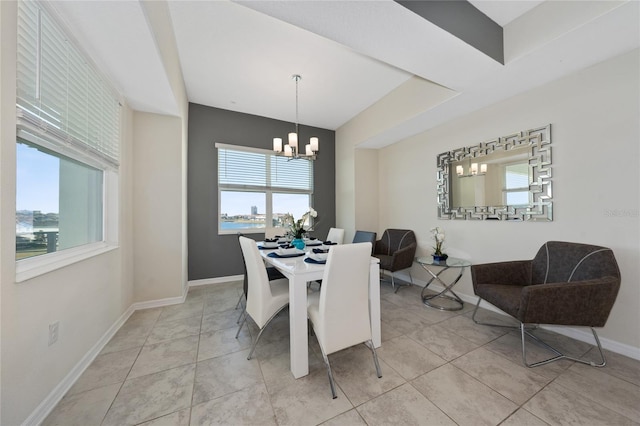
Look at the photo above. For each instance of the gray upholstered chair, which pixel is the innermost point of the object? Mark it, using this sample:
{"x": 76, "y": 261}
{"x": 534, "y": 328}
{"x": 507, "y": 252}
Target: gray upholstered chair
{"x": 365, "y": 237}
{"x": 568, "y": 284}
{"x": 396, "y": 251}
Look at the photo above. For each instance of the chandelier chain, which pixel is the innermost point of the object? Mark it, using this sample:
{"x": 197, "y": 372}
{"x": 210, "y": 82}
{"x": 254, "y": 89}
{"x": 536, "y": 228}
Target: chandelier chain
{"x": 297, "y": 78}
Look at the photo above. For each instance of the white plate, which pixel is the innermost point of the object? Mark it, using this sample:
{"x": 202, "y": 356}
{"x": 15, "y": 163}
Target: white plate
{"x": 320, "y": 257}
{"x": 288, "y": 252}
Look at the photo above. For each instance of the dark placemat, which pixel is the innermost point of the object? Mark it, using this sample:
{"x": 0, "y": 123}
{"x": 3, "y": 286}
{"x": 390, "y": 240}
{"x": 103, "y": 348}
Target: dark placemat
{"x": 274, "y": 254}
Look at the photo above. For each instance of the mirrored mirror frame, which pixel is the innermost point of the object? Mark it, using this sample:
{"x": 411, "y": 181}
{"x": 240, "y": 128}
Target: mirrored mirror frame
{"x": 541, "y": 209}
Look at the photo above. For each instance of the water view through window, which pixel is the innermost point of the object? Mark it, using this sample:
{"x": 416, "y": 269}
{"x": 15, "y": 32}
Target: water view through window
{"x": 58, "y": 202}
{"x": 247, "y": 210}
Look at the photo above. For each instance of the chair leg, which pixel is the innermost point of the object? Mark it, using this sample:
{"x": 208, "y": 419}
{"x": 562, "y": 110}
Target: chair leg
{"x": 473, "y": 317}
{"x": 241, "y": 314}
{"x": 369, "y": 344}
{"x": 559, "y": 355}
{"x": 403, "y": 285}
{"x": 253, "y": 347}
{"x": 239, "y": 300}
{"x": 526, "y": 332}
{"x": 332, "y": 383}
{"x": 241, "y": 324}
{"x": 330, "y": 374}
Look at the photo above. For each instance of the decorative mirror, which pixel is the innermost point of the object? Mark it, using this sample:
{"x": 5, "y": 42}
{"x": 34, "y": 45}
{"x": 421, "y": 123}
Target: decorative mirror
{"x": 508, "y": 178}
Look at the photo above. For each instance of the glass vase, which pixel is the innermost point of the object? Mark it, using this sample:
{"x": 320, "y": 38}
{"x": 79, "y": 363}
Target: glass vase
{"x": 298, "y": 243}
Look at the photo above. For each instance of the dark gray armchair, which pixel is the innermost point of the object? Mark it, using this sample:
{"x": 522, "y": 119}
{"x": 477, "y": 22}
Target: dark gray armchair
{"x": 396, "y": 251}
{"x": 567, "y": 284}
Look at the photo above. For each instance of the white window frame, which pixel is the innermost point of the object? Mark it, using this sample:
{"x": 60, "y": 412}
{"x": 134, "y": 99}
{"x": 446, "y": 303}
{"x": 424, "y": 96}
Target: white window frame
{"x": 268, "y": 191}
{"x": 58, "y": 142}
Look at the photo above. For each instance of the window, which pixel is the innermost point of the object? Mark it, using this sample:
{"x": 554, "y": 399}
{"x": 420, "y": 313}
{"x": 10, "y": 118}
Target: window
{"x": 257, "y": 188}
{"x": 49, "y": 219}
{"x": 67, "y": 152}
{"x": 516, "y": 184}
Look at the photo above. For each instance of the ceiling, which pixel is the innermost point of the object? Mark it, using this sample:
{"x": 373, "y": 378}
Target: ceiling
{"x": 240, "y": 55}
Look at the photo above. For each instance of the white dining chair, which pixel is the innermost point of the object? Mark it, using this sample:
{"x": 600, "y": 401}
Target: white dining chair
{"x": 339, "y": 312}
{"x": 272, "y": 273}
{"x": 335, "y": 235}
{"x": 265, "y": 299}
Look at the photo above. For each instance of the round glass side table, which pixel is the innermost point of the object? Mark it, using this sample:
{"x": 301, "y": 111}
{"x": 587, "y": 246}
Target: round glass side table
{"x": 428, "y": 264}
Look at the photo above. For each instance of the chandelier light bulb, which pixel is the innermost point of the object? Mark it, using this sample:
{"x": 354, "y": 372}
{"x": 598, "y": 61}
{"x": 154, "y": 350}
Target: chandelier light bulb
{"x": 293, "y": 140}
{"x": 277, "y": 144}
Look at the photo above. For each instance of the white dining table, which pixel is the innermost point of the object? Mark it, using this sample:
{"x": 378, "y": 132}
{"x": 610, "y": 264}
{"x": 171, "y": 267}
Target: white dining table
{"x": 299, "y": 274}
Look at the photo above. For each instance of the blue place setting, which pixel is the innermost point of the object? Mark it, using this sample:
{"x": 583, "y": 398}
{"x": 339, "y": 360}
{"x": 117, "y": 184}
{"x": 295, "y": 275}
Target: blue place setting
{"x": 317, "y": 262}
{"x": 268, "y": 244}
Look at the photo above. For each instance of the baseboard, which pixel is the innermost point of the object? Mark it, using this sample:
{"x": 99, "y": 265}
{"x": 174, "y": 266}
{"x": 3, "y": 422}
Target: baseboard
{"x": 583, "y": 335}
{"x": 219, "y": 280}
{"x": 159, "y": 303}
{"x": 48, "y": 404}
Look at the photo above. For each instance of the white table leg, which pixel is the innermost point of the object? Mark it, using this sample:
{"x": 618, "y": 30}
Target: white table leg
{"x": 374, "y": 304}
{"x": 298, "y": 327}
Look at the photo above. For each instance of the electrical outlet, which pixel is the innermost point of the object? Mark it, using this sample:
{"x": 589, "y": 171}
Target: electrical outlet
{"x": 53, "y": 332}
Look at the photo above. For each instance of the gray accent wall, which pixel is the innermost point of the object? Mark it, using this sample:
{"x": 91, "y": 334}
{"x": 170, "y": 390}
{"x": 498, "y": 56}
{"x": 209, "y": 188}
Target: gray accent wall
{"x": 212, "y": 255}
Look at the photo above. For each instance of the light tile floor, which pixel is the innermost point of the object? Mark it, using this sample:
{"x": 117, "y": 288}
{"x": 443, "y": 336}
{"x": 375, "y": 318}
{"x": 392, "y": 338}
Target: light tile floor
{"x": 181, "y": 365}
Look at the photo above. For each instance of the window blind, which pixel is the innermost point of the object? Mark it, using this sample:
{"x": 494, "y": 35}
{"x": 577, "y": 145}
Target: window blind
{"x": 61, "y": 97}
{"x": 249, "y": 169}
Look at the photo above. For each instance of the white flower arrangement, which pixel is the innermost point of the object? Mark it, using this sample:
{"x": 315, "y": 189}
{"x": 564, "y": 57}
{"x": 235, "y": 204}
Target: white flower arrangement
{"x": 297, "y": 227}
{"x": 438, "y": 236}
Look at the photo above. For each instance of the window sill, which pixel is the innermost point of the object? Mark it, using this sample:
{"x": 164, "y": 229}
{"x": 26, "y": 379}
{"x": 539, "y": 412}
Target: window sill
{"x": 27, "y": 269}
{"x": 241, "y": 230}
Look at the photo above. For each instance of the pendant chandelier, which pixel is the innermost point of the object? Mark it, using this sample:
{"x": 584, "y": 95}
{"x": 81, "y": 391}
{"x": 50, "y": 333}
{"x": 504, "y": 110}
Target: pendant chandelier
{"x": 290, "y": 150}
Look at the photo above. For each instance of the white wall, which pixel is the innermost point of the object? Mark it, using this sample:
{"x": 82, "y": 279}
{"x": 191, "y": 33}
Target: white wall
{"x": 595, "y": 129}
{"x": 356, "y": 169}
{"x": 157, "y": 207}
{"x": 595, "y": 132}
{"x": 366, "y": 195}
{"x": 159, "y": 19}
{"x": 87, "y": 297}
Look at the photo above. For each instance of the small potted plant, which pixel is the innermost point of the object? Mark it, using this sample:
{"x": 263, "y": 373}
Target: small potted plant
{"x": 438, "y": 236}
